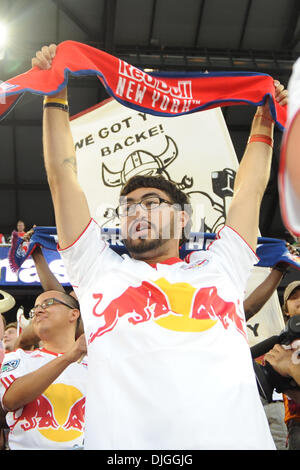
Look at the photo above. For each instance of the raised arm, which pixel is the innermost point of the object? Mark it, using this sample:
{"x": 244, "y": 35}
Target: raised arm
{"x": 254, "y": 172}
{"x": 257, "y": 299}
{"x": 46, "y": 276}
{"x": 70, "y": 205}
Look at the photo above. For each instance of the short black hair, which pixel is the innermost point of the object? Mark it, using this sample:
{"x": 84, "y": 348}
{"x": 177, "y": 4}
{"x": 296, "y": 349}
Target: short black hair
{"x": 175, "y": 194}
{"x": 69, "y": 299}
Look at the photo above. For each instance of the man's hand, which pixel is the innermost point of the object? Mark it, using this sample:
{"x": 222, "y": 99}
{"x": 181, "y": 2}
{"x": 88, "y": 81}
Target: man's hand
{"x": 287, "y": 363}
{"x": 280, "y": 359}
{"x": 60, "y": 161}
{"x": 78, "y": 351}
{"x": 43, "y": 58}
{"x": 254, "y": 171}
{"x": 281, "y": 94}
{"x": 29, "y": 234}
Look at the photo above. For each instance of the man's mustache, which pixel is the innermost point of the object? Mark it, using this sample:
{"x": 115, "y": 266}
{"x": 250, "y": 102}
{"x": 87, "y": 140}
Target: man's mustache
{"x": 138, "y": 226}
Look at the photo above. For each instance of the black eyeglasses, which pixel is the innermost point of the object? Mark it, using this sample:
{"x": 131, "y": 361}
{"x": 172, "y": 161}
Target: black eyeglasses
{"x": 149, "y": 203}
{"x": 47, "y": 303}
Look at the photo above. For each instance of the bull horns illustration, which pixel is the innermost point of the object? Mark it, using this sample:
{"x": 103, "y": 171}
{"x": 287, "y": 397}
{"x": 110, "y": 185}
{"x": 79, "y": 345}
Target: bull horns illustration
{"x": 141, "y": 162}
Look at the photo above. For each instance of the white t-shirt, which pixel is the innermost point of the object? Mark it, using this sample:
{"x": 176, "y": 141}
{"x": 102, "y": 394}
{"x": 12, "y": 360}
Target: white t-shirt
{"x": 169, "y": 362}
{"x": 55, "y": 420}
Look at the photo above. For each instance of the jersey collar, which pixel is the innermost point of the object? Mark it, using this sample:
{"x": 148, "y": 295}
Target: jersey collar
{"x": 168, "y": 261}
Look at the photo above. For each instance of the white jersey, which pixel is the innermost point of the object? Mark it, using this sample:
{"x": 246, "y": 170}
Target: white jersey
{"x": 289, "y": 200}
{"x": 55, "y": 420}
{"x": 169, "y": 361}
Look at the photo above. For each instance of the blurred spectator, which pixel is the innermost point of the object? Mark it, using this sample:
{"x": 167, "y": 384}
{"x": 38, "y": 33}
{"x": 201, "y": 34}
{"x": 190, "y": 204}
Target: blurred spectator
{"x": 275, "y": 410}
{"x": 287, "y": 363}
{"x": 252, "y": 305}
{"x": 7, "y": 302}
{"x": 2, "y": 239}
{"x": 10, "y": 336}
{"x": 2, "y": 326}
{"x": 291, "y": 300}
{"x": 281, "y": 361}
{"x": 3, "y": 430}
{"x": 21, "y": 229}
{"x": 291, "y": 307}
{"x": 43, "y": 391}
{"x": 3, "y": 424}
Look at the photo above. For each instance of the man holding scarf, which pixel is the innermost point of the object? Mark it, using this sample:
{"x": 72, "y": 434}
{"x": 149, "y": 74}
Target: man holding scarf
{"x": 169, "y": 361}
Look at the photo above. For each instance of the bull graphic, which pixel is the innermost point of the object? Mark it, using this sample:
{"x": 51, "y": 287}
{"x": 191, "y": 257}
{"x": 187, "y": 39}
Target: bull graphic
{"x": 141, "y": 162}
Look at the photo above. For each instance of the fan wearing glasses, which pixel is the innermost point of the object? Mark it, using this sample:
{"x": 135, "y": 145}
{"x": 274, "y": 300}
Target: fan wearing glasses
{"x": 33, "y": 382}
{"x": 153, "y": 220}
{"x": 167, "y": 337}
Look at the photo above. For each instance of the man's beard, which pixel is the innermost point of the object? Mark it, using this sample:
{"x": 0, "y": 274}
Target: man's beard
{"x": 151, "y": 242}
{"x": 143, "y": 245}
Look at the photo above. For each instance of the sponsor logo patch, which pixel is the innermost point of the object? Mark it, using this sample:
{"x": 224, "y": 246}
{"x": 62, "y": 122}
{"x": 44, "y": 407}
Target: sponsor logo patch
{"x": 10, "y": 365}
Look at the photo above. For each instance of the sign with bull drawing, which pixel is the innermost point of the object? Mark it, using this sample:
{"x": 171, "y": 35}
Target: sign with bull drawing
{"x": 195, "y": 151}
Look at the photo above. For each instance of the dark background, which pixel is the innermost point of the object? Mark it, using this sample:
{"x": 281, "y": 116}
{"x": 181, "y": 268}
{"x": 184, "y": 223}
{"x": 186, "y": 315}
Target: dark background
{"x": 189, "y": 35}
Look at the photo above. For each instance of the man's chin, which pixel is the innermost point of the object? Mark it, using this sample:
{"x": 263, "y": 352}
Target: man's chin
{"x": 142, "y": 246}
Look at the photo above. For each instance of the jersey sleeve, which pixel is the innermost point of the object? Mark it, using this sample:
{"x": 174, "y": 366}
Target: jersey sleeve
{"x": 14, "y": 366}
{"x": 86, "y": 252}
{"x": 233, "y": 256}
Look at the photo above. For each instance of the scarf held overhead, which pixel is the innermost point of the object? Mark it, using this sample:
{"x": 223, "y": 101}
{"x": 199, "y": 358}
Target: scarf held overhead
{"x": 160, "y": 94}
{"x": 270, "y": 251}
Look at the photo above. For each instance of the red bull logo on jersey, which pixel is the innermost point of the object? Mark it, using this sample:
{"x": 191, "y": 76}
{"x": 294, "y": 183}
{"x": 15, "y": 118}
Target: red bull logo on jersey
{"x": 174, "y": 306}
{"x": 58, "y": 414}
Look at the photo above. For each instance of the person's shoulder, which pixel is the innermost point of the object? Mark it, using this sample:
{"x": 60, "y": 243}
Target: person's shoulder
{"x": 14, "y": 353}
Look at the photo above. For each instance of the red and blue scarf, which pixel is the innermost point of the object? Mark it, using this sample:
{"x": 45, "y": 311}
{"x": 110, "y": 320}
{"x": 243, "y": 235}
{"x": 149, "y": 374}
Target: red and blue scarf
{"x": 160, "y": 94}
{"x": 270, "y": 251}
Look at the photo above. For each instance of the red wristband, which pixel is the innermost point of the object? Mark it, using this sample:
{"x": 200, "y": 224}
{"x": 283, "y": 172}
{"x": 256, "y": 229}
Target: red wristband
{"x": 261, "y": 138}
